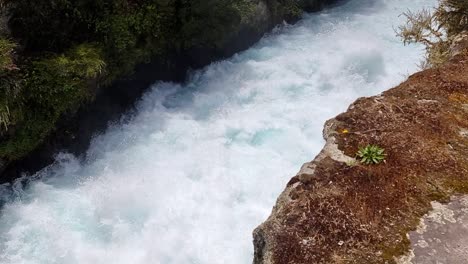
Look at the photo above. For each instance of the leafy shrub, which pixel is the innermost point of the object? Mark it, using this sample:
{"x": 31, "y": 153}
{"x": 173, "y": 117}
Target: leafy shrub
{"x": 59, "y": 83}
{"x": 371, "y": 154}
{"x": 436, "y": 29}
{"x": 82, "y": 62}
{"x": 51, "y": 25}
{"x": 9, "y": 86}
{"x": 6, "y": 55}
{"x": 208, "y": 22}
{"x": 453, "y": 16}
{"x": 132, "y": 35}
{"x": 52, "y": 86}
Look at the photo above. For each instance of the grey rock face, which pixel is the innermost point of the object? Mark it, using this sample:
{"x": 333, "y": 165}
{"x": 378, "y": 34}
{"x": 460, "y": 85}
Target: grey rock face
{"x": 442, "y": 236}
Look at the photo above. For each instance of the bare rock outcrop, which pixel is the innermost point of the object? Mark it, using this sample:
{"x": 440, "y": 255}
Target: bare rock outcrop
{"x": 442, "y": 235}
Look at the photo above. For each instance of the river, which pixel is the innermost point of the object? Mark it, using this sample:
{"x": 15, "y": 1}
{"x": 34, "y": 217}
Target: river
{"x": 188, "y": 175}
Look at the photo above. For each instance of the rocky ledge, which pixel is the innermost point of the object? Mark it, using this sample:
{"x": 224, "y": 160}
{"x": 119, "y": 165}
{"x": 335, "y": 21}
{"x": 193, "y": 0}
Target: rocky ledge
{"x": 336, "y": 210}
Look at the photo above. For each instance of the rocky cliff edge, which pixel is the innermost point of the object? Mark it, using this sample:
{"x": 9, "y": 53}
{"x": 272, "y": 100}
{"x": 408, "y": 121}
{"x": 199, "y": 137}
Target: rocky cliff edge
{"x": 336, "y": 210}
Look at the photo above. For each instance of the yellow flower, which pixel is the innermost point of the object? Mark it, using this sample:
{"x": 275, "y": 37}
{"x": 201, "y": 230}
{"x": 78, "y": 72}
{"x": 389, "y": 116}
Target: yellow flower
{"x": 345, "y": 131}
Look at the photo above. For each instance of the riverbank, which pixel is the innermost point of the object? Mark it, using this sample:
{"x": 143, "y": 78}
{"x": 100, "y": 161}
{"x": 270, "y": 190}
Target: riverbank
{"x": 336, "y": 210}
{"x": 34, "y": 134}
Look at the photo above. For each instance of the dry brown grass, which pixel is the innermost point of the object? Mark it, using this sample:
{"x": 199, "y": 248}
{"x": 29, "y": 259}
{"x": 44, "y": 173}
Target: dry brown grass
{"x": 437, "y": 29}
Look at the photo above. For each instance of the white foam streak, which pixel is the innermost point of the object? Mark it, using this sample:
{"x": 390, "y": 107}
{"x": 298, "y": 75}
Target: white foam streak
{"x": 200, "y": 165}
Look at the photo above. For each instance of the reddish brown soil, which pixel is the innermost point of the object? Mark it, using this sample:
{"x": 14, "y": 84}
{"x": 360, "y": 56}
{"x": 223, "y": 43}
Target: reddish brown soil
{"x": 351, "y": 213}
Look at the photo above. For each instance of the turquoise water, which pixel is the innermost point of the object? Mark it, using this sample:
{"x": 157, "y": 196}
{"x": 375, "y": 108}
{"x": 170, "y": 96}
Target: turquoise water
{"x": 189, "y": 175}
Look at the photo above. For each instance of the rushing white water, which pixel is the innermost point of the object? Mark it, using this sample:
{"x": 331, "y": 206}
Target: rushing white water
{"x": 198, "y": 166}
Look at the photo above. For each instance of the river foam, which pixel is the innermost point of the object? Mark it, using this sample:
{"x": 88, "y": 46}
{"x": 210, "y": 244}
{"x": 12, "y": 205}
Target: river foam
{"x": 188, "y": 176}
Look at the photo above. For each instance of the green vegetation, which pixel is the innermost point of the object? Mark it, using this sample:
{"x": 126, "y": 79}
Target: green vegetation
{"x": 51, "y": 86}
{"x": 54, "y": 54}
{"x": 371, "y": 154}
{"x": 8, "y": 86}
{"x": 6, "y": 55}
{"x": 436, "y": 29}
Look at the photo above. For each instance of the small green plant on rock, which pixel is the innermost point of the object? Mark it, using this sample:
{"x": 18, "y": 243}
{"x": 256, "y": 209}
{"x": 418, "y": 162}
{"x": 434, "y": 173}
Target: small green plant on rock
{"x": 371, "y": 154}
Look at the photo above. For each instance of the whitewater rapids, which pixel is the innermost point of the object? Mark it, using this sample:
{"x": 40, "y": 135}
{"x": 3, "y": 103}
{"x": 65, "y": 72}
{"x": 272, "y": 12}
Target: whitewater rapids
{"x": 188, "y": 175}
